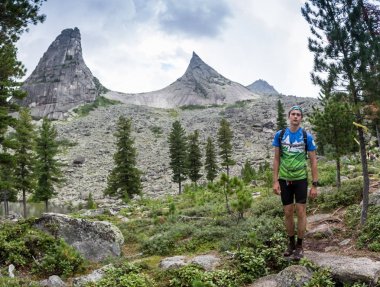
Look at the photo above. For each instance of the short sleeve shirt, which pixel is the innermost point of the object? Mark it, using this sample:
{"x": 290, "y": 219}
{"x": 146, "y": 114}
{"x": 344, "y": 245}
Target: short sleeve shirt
{"x": 293, "y": 156}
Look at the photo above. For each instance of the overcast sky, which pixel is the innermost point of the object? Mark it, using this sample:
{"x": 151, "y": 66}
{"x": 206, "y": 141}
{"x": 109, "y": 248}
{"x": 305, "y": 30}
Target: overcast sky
{"x": 144, "y": 45}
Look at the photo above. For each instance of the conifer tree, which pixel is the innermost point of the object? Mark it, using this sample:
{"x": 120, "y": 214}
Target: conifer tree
{"x": 334, "y": 128}
{"x": 248, "y": 173}
{"x": 48, "y": 168}
{"x": 7, "y": 191}
{"x": 281, "y": 120}
{"x": 24, "y": 155}
{"x": 225, "y": 136}
{"x": 194, "y": 158}
{"x": 211, "y": 165}
{"x": 124, "y": 180}
{"x": 178, "y": 154}
{"x": 346, "y": 49}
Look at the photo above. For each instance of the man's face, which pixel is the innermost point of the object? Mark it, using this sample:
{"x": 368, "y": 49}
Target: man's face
{"x": 295, "y": 117}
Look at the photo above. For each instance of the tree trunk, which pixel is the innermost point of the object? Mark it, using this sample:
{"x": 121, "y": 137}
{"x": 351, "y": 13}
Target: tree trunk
{"x": 378, "y": 135}
{"x": 5, "y": 199}
{"x": 228, "y": 171}
{"x": 46, "y": 206}
{"x": 338, "y": 182}
{"x": 365, "y": 194}
{"x": 179, "y": 187}
{"x": 24, "y": 202}
{"x": 227, "y": 202}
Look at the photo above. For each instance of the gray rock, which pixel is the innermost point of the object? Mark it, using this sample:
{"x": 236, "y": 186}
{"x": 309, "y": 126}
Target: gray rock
{"x": 61, "y": 79}
{"x": 261, "y": 87}
{"x": 344, "y": 242}
{"x": 53, "y": 281}
{"x": 79, "y": 160}
{"x": 173, "y": 262}
{"x": 95, "y": 240}
{"x": 321, "y": 231}
{"x": 374, "y": 198}
{"x": 96, "y": 275}
{"x": 208, "y": 261}
{"x": 292, "y": 276}
{"x": 347, "y": 269}
{"x": 11, "y": 270}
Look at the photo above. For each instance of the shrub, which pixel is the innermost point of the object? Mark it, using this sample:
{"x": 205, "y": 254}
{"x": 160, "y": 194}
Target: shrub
{"x": 369, "y": 236}
{"x": 17, "y": 282}
{"x": 22, "y": 245}
{"x": 124, "y": 275}
{"x": 99, "y": 102}
{"x": 269, "y": 206}
{"x": 348, "y": 194}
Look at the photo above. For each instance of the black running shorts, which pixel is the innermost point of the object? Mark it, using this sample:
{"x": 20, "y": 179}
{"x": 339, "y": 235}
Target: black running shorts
{"x": 291, "y": 190}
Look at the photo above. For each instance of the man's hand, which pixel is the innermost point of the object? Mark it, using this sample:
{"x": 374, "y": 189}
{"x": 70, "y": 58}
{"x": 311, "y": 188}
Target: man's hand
{"x": 313, "y": 192}
{"x": 276, "y": 187}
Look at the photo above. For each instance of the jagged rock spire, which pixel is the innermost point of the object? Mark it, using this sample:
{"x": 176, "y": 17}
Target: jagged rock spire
{"x": 61, "y": 79}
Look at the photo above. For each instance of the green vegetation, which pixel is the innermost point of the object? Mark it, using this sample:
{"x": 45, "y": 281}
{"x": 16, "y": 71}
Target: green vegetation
{"x": 100, "y": 101}
{"x": 281, "y": 120}
{"x": 124, "y": 180}
{"x": 25, "y": 246}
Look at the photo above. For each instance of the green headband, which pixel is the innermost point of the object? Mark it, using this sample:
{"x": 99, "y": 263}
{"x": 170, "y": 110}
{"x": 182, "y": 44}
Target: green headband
{"x": 297, "y": 108}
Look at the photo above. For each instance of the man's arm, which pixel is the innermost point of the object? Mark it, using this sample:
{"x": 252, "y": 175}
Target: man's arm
{"x": 314, "y": 172}
{"x": 276, "y": 165}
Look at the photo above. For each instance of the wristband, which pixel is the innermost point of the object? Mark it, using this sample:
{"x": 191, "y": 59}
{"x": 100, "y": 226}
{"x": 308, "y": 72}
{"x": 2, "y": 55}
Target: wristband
{"x": 315, "y": 183}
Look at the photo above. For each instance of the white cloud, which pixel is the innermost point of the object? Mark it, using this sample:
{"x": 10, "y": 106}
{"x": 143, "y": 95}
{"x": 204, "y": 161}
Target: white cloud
{"x": 130, "y": 46}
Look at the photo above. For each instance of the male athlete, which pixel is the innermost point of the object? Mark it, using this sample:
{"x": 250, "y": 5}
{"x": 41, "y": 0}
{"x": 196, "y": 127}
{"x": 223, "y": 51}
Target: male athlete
{"x": 291, "y": 147}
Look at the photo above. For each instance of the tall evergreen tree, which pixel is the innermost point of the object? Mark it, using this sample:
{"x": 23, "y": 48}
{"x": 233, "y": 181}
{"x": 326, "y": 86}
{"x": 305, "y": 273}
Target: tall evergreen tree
{"x": 346, "y": 48}
{"x": 194, "y": 158}
{"x": 281, "y": 120}
{"x": 48, "y": 168}
{"x": 248, "y": 173}
{"x": 211, "y": 165}
{"x": 124, "y": 180}
{"x": 225, "y": 136}
{"x": 7, "y": 191}
{"x": 15, "y": 16}
{"x": 178, "y": 154}
{"x": 24, "y": 155}
{"x": 334, "y": 128}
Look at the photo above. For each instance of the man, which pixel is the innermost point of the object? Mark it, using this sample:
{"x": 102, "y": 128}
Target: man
{"x": 290, "y": 176}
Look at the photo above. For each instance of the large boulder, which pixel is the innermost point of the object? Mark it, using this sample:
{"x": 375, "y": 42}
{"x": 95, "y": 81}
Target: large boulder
{"x": 347, "y": 269}
{"x": 292, "y": 276}
{"x": 94, "y": 240}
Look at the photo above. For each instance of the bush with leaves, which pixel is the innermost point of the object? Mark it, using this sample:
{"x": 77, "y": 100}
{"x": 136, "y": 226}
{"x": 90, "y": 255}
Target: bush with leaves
{"x": 22, "y": 245}
{"x": 17, "y": 282}
{"x": 348, "y": 194}
{"x": 369, "y": 235}
{"x": 124, "y": 275}
{"x": 194, "y": 276}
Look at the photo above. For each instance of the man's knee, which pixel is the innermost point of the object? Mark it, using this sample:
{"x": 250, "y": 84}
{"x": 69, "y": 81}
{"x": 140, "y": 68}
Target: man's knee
{"x": 301, "y": 210}
{"x": 289, "y": 210}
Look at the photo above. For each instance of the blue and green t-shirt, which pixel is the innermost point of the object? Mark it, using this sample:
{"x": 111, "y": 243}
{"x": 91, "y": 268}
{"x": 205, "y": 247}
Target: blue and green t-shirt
{"x": 293, "y": 156}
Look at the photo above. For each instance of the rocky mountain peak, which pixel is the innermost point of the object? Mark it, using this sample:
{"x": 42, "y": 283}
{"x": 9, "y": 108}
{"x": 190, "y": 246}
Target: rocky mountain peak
{"x": 261, "y": 87}
{"x": 199, "y": 85}
{"x": 61, "y": 79}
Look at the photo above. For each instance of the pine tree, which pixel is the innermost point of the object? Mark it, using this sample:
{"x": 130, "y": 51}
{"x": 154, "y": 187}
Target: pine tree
{"x": 281, "y": 120}
{"x": 24, "y": 155}
{"x": 346, "y": 49}
{"x": 7, "y": 191}
{"x": 334, "y": 128}
{"x": 225, "y": 136}
{"x": 211, "y": 165}
{"x": 124, "y": 180}
{"x": 178, "y": 154}
{"x": 248, "y": 173}
{"x": 48, "y": 168}
{"x": 194, "y": 158}
{"x": 15, "y": 16}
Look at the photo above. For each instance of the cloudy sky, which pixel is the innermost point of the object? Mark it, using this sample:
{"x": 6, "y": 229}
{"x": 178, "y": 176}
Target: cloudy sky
{"x": 144, "y": 45}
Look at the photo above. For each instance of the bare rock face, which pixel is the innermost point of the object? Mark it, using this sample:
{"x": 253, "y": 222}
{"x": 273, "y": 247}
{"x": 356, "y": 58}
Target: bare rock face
{"x": 61, "y": 79}
{"x": 200, "y": 85}
{"x": 261, "y": 87}
{"x": 94, "y": 240}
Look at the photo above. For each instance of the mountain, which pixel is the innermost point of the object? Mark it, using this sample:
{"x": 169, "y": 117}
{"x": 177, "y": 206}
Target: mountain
{"x": 261, "y": 87}
{"x": 200, "y": 85}
{"x": 61, "y": 79}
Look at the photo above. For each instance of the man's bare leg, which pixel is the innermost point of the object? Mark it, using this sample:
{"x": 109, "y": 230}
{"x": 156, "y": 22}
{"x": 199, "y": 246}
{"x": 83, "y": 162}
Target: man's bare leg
{"x": 289, "y": 224}
{"x": 301, "y": 228}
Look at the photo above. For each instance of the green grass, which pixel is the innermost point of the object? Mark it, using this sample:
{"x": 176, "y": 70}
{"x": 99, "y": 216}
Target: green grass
{"x": 99, "y": 102}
